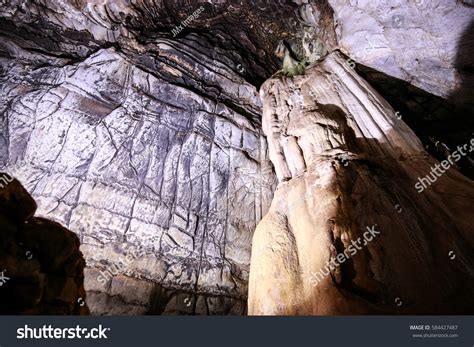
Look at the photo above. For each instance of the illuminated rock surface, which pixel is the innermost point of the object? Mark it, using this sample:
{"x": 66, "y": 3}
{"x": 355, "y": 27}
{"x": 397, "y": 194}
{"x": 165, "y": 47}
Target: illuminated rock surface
{"x": 347, "y": 165}
{"x": 145, "y": 138}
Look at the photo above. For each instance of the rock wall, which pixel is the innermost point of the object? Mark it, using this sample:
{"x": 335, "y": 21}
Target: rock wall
{"x": 425, "y": 42}
{"x": 143, "y": 135}
{"x": 422, "y": 67}
{"x": 41, "y": 267}
{"x": 152, "y": 152}
{"x": 348, "y": 231}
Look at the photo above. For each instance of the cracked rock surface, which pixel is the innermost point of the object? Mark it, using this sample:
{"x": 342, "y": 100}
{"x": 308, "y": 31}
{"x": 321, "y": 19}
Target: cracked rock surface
{"x": 154, "y": 145}
{"x": 137, "y": 124}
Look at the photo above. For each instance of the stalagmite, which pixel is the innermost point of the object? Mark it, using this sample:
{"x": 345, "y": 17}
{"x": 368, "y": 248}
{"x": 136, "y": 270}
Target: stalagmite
{"x": 347, "y": 231}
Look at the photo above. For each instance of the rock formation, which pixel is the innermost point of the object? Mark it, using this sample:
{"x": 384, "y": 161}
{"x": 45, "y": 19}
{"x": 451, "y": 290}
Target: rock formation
{"x": 138, "y": 126}
{"x": 348, "y": 168}
{"x": 418, "y": 41}
{"x": 41, "y": 267}
{"x": 159, "y": 152}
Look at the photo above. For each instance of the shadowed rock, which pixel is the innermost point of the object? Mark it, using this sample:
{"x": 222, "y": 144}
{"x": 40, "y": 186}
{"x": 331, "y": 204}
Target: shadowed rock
{"x": 40, "y": 261}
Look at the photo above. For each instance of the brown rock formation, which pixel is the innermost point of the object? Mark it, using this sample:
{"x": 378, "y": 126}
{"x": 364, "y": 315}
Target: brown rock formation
{"x": 41, "y": 266}
{"x": 347, "y": 165}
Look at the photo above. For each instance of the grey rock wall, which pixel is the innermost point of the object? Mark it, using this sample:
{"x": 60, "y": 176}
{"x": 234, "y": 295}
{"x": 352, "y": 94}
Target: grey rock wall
{"x": 154, "y": 147}
{"x": 423, "y": 42}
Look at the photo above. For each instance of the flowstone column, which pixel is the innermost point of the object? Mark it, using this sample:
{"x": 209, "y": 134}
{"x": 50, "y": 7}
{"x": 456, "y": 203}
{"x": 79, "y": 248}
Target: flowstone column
{"x": 348, "y": 232}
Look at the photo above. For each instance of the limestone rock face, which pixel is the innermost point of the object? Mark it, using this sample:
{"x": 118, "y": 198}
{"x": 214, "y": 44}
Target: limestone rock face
{"x": 427, "y": 43}
{"x": 347, "y": 168}
{"x": 138, "y": 126}
{"x": 150, "y": 149}
{"x": 125, "y": 160}
{"x": 41, "y": 267}
{"x": 417, "y": 54}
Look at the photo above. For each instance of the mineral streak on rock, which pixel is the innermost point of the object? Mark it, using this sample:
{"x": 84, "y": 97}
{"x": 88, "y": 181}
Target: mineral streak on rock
{"x": 344, "y": 161}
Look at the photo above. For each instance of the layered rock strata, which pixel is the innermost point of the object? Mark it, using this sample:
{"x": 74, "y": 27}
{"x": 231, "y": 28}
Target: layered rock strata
{"x": 160, "y": 152}
{"x": 348, "y": 165}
